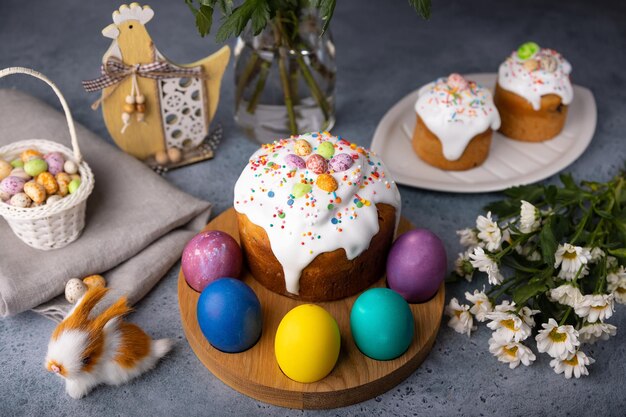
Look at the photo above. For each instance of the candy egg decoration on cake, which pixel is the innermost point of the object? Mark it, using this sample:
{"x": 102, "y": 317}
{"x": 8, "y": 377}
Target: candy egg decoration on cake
{"x": 382, "y": 324}
{"x": 307, "y": 343}
{"x": 208, "y": 256}
{"x": 455, "y": 121}
{"x": 416, "y": 265}
{"x": 229, "y": 315}
{"x": 316, "y": 216}
{"x": 533, "y": 93}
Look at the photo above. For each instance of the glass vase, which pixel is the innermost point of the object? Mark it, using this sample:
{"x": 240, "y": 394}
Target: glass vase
{"x": 285, "y": 78}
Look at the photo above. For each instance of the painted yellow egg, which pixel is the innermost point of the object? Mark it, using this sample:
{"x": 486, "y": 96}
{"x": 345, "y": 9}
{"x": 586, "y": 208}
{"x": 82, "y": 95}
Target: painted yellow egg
{"x": 307, "y": 343}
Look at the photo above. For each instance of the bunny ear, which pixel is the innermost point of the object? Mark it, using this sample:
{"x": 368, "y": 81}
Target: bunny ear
{"x": 78, "y": 317}
{"x": 117, "y": 309}
{"x": 87, "y": 303}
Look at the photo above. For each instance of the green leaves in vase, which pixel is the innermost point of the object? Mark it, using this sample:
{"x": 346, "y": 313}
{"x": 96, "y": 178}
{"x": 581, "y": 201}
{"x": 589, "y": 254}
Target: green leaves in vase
{"x": 258, "y": 13}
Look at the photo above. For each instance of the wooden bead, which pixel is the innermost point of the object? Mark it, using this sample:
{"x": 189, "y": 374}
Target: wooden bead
{"x": 129, "y": 108}
{"x": 141, "y": 108}
{"x": 140, "y": 99}
{"x": 174, "y": 154}
{"x": 130, "y": 99}
{"x": 161, "y": 157}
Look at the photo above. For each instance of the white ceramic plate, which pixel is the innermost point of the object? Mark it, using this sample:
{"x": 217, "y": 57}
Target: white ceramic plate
{"x": 510, "y": 162}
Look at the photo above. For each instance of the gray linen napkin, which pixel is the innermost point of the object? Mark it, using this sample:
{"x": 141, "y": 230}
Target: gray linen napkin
{"x": 136, "y": 226}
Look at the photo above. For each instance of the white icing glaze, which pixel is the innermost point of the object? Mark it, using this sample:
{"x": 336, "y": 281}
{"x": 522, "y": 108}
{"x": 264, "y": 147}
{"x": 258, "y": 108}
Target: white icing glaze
{"x": 456, "y": 115}
{"x": 301, "y": 228}
{"x": 533, "y": 82}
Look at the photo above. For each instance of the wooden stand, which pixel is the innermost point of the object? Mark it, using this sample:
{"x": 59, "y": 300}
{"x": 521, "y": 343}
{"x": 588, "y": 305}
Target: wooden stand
{"x": 256, "y": 373}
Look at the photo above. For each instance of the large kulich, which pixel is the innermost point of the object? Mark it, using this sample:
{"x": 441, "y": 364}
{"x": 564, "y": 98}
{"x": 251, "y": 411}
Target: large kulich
{"x": 317, "y": 216}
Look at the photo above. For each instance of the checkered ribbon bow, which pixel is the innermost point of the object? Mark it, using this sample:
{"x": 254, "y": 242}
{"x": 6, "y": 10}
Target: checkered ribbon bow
{"x": 115, "y": 71}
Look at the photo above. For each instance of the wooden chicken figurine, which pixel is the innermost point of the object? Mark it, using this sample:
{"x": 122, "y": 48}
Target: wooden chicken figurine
{"x": 151, "y": 106}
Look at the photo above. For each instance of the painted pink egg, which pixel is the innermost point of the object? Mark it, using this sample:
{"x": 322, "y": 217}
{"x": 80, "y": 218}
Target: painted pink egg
{"x": 294, "y": 161}
{"x": 341, "y": 162}
{"x": 209, "y": 256}
{"x": 317, "y": 164}
{"x": 55, "y": 162}
{"x": 416, "y": 265}
{"x": 12, "y": 185}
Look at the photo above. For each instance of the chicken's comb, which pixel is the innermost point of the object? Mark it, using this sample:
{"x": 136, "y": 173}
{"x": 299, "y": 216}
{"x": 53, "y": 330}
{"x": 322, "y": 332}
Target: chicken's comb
{"x": 134, "y": 11}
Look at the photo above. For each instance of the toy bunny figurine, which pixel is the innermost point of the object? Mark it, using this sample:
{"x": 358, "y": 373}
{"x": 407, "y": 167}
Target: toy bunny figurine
{"x": 88, "y": 351}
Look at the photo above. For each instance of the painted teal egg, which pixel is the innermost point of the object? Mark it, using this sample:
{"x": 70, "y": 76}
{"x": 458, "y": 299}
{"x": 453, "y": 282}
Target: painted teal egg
{"x": 382, "y": 324}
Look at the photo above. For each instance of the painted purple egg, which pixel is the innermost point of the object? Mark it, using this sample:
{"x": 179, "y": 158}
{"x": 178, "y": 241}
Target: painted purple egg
{"x": 416, "y": 265}
{"x": 341, "y": 162}
{"x": 12, "y": 185}
{"x": 294, "y": 161}
{"x": 55, "y": 162}
{"x": 209, "y": 256}
{"x": 317, "y": 164}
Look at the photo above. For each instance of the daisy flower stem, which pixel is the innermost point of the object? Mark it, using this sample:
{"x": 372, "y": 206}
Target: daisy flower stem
{"x": 581, "y": 225}
{"x": 569, "y": 309}
{"x": 603, "y": 274}
{"x": 513, "y": 244}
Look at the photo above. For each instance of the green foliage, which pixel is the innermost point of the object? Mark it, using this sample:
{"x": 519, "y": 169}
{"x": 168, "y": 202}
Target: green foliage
{"x": 422, "y": 7}
{"x": 588, "y": 215}
{"x": 258, "y": 13}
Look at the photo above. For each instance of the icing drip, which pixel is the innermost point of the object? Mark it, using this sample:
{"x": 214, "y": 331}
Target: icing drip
{"x": 303, "y": 220}
{"x": 545, "y": 72}
{"x": 456, "y": 110}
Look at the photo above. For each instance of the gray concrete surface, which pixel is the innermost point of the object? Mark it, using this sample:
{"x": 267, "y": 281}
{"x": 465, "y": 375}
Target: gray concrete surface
{"x": 383, "y": 51}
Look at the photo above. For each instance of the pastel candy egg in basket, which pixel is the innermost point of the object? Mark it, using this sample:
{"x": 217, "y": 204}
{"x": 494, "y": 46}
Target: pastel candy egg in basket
{"x": 39, "y": 224}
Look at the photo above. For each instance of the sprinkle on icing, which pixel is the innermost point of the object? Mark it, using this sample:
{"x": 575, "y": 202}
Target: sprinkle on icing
{"x": 305, "y": 213}
{"x": 533, "y": 74}
{"x": 456, "y": 110}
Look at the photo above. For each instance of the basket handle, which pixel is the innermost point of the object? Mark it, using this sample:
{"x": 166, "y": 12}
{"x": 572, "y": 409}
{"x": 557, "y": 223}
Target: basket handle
{"x": 68, "y": 115}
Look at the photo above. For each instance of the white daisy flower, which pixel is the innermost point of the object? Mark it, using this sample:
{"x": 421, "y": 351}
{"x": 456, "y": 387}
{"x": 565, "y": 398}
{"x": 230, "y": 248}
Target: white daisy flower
{"x": 616, "y": 283}
{"x": 530, "y": 219}
{"x": 571, "y": 258}
{"x": 596, "y": 254}
{"x": 512, "y": 353}
{"x": 592, "y": 332}
{"x": 460, "y": 318}
{"x": 595, "y": 307}
{"x": 505, "y": 306}
{"x": 574, "y": 364}
{"x": 463, "y": 266}
{"x": 565, "y": 294}
{"x": 508, "y": 327}
{"x": 468, "y": 237}
{"x": 557, "y": 341}
{"x": 481, "y": 304}
{"x": 611, "y": 263}
{"x": 484, "y": 263}
{"x": 489, "y": 232}
{"x": 526, "y": 313}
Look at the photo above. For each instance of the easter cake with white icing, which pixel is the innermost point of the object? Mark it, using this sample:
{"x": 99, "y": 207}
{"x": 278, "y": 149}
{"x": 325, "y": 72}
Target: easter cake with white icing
{"x": 455, "y": 121}
{"x": 317, "y": 216}
{"x": 533, "y": 93}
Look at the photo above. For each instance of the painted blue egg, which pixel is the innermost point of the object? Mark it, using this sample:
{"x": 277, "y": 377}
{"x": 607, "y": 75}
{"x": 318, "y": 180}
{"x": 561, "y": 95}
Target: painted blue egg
{"x": 229, "y": 315}
{"x": 382, "y": 324}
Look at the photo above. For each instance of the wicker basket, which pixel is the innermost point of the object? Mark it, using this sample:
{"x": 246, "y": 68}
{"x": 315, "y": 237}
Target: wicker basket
{"x": 52, "y": 226}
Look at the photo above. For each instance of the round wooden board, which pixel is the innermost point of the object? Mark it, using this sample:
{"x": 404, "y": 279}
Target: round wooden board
{"x": 256, "y": 373}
